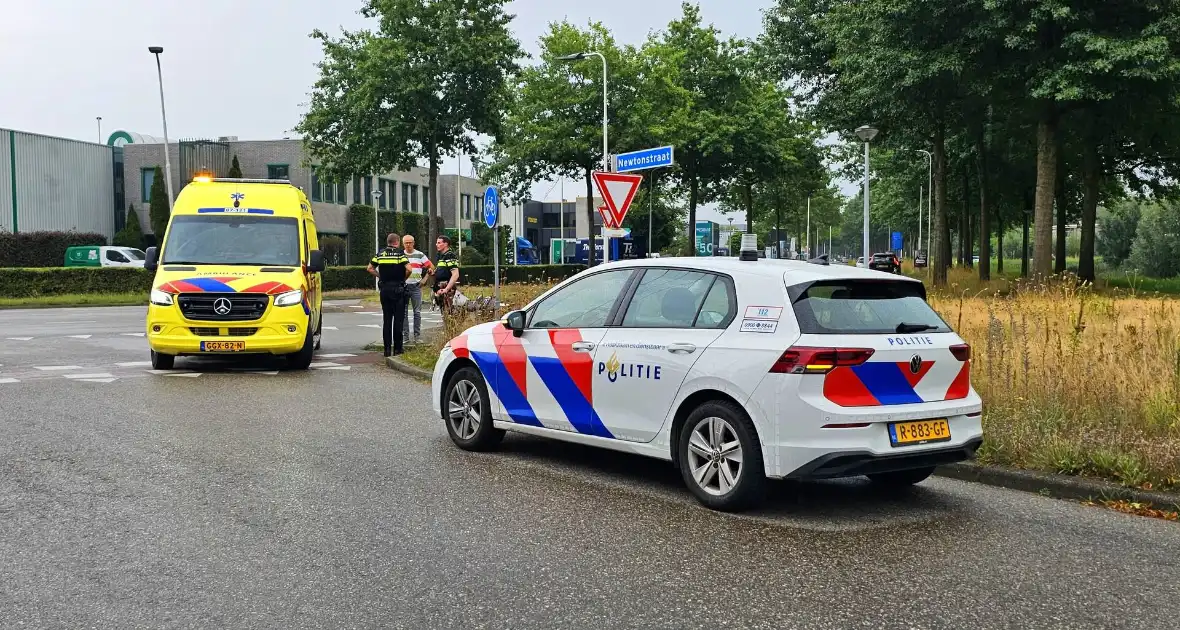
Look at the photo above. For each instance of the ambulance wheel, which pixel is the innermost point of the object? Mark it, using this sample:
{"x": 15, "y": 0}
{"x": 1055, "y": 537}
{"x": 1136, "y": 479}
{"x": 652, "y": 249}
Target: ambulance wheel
{"x": 319, "y": 332}
{"x": 162, "y": 361}
{"x": 302, "y": 360}
{"x": 902, "y": 478}
{"x": 468, "y": 414}
{"x": 720, "y": 457}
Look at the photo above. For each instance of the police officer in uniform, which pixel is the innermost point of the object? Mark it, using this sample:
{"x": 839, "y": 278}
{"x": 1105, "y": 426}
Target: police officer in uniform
{"x": 446, "y": 275}
{"x": 391, "y": 267}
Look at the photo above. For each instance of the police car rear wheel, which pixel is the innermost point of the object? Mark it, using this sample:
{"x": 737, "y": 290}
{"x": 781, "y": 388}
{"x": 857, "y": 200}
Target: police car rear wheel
{"x": 467, "y": 414}
{"x": 162, "y": 361}
{"x": 720, "y": 457}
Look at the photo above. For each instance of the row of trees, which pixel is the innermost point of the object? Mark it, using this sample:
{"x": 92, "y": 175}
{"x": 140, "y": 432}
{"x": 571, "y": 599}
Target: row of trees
{"x": 1041, "y": 105}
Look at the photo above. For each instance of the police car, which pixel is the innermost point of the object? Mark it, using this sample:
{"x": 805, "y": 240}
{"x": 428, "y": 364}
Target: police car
{"x": 733, "y": 370}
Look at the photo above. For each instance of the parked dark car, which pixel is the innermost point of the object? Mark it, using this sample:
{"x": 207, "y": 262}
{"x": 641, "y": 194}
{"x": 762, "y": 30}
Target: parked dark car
{"x": 920, "y": 258}
{"x": 885, "y": 261}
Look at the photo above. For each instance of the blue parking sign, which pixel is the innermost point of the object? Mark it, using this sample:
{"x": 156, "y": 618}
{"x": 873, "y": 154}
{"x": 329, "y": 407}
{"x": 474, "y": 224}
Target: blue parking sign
{"x": 491, "y": 206}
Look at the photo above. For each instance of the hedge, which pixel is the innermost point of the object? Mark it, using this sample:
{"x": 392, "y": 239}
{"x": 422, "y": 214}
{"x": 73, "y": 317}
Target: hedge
{"x": 19, "y": 283}
{"x": 42, "y": 249}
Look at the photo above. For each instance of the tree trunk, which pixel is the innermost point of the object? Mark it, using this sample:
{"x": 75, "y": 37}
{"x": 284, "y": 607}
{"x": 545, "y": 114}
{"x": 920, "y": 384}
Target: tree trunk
{"x": 1062, "y": 211}
{"x": 692, "y": 215}
{"x": 1046, "y": 182}
{"x": 1000, "y": 245}
{"x": 590, "y": 217}
{"x": 433, "y": 227}
{"x": 985, "y": 234}
{"x": 1024, "y": 248}
{"x": 965, "y": 237}
{"x": 942, "y": 234}
{"x": 1091, "y": 184}
{"x": 748, "y": 194}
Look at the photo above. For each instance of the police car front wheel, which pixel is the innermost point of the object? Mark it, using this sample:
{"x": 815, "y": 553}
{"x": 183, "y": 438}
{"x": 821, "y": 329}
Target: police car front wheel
{"x": 720, "y": 457}
{"x": 467, "y": 414}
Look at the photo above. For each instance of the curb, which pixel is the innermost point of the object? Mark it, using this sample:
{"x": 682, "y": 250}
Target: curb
{"x": 1057, "y": 486}
{"x": 397, "y": 364}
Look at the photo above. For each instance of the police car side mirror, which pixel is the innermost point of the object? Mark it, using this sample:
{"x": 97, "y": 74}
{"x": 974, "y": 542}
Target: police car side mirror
{"x": 514, "y": 321}
{"x": 151, "y": 259}
{"x": 315, "y": 261}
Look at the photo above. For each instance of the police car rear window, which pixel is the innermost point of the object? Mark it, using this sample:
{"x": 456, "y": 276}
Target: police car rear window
{"x": 855, "y": 307}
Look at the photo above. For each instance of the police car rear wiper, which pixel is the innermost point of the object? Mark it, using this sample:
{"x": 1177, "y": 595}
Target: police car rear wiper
{"x": 913, "y": 328}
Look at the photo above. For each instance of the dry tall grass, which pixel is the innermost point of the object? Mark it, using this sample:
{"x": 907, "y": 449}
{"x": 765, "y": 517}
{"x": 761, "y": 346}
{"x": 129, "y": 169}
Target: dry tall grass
{"x": 1073, "y": 381}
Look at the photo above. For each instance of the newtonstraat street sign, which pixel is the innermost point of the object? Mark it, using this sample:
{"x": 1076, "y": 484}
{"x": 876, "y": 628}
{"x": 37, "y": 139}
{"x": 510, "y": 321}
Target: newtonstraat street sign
{"x": 648, "y": 158}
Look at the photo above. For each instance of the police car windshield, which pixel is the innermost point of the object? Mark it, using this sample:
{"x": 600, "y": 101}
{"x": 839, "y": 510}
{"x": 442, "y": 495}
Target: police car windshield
{"x": 850, "y": 307}
{"x": 232, "y": 240}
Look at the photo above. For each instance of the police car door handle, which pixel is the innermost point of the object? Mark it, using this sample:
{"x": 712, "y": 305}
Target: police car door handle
{"x": 681, "y": 348}
{"x": 582, "y": 346}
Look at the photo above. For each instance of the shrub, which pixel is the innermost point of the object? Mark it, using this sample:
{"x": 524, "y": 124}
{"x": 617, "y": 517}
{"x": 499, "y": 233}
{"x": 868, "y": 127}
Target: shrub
{"x": 61, "y": 281}
{"x": 414, "y": 225}
{"x": 131, "y": 235}
{"x": 1117, "y": 232}
{"x": 472, "y": 257}
{"x": 334, "y": 249}
{"x": 1156, "y": 251}
{"x": 42, "y": 249}
{"x": 235, "y": 169}
{"x": 339, "y": 278}
{"x": 158, "y": 210}
{"x": 360, "y": 234}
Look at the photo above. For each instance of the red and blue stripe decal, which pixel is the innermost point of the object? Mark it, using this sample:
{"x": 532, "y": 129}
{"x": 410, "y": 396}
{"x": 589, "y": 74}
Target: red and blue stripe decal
{"x": 569, "y": 379}
{"x": 881, "y": 383}
{"x": 220, "y": 285}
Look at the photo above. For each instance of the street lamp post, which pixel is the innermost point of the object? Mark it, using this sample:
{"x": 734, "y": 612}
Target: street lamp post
{"x": 929, "y": 202}
{"x": 376, "y": 229}
{"x": 157, "y": 50}
{"x": 866, "y": 133}
{"x": 605, "y": 124}
{"x": 458, "y": 216}
{"x": 99, "y": 118}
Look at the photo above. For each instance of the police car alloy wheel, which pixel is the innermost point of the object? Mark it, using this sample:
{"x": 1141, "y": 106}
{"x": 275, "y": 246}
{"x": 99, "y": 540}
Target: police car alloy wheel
{"x": 720, "y": 457}
{"x": 467, "y": 414}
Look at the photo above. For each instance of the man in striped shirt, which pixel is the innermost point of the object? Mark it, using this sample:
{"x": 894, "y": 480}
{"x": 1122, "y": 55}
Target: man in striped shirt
{"x": 420, "y": 265}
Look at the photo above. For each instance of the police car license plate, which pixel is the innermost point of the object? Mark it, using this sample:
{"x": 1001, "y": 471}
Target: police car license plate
{"x": 223, "y": 346}
{"x": 920, "y": 432}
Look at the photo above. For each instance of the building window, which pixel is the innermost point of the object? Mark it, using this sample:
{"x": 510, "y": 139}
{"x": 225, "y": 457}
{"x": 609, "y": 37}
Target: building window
{"x": 278, "y": 171}
{"x": 426, "y": 199}
{"x": 368, "y": 191}
{"x": 405, "y": 197}
{"x": 381, "y": 189}
{"x": 329, "y": 192}
{"x": 146, "y": 177}
{"x": 413, "y": 197}
{"x": 478, "y": 206}
{"x": 356, "y": 190}
{"x": 316, "y": 193}
{"x": 342, "y": 193}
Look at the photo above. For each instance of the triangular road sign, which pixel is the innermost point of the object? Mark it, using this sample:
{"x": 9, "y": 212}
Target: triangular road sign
{"x": 608, "y": 219}
{"x": 617, "y": 190}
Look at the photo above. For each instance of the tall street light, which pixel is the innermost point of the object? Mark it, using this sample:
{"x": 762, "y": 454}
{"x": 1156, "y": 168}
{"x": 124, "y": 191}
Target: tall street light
{"x": 605, "y": 123}
{"x": 376, "y": 230}
{"x": 156, "y": 50}
{"x": 866, "y": 133}
{"x": 929, "y": 201}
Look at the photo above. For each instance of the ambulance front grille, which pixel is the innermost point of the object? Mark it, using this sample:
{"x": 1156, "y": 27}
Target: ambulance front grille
{"x": 223, "y": 307}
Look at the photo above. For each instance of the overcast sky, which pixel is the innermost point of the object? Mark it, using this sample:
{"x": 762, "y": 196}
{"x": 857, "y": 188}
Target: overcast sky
{"x": 232, "y": 67}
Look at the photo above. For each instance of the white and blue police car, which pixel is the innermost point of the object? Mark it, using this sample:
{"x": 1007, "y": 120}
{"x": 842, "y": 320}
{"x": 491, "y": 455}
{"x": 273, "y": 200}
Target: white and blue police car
{"x": 734, "y": 369}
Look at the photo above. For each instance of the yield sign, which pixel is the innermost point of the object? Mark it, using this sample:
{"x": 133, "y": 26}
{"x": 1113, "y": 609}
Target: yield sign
{"x": 617, "y": 190}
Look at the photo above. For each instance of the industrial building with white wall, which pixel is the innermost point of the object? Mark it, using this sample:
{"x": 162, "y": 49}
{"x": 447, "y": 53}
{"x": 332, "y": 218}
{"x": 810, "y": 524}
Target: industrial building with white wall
{"x": 57, "y": 184}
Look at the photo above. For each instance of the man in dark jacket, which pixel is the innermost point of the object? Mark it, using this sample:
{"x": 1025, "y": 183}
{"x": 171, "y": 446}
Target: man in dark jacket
{"x": 391, "y": 268}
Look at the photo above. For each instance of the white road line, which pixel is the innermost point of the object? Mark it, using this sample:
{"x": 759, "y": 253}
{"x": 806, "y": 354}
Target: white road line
{"x": 132, "y": 334}
{"x": 53, "y": 368}
{"x": 20, "y": 338}
{"x": 75, "y": 321}
{"x": 355, "y": 306}
{"x": 369, "y": 325}
{"x": 334, "y": 356}
{"x": 134, "y": 364}
{"x": 8, "y": 380}
{"x": 334, "y": 367}
{"x": 323, "y": 364}
{"x": 96, "y": 375}
{"x": 188, "y": 374}
{"x": 78, "y": 336}
{"x": 331, "y": 328}
{"x": 97, "y": 380}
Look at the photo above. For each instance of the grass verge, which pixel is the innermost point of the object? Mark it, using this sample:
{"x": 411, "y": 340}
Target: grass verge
{"x": 81, "y": 299}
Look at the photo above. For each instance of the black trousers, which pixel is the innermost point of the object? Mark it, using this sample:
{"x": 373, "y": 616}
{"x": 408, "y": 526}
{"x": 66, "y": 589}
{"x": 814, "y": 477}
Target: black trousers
{"x": 393, "y": 307}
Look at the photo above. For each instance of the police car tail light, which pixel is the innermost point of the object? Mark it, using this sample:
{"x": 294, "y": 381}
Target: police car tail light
{"x": 961, "y": 351}
{"x": 807, "y": 360}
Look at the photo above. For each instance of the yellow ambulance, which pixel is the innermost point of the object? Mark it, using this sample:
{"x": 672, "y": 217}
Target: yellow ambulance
{"x": 238, "y": 272}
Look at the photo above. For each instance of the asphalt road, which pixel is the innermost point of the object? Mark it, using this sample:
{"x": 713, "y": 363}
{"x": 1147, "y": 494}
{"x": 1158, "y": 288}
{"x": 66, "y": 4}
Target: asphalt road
{"x": 332, "y": 499}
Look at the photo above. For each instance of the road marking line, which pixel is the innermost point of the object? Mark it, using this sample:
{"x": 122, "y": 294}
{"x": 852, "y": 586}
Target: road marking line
{"x": 96, "y": 375}
{"x": 78, "y": 336}
{"x": 355, "y": 306}
{"x": 8, "y": 380}
{"x": 188, "y": 374}
{"x": 98, "y": 380}
{"x": 369, "y": 325}
{"x": 75, "y": 321}
{"x": 20, "y": 338}
{"x": 52, "y": 368}
{"x": 335, "y": 367}
{"x": 323, "y": 364}
{"x": 331, "y": 328}
{"x": 132, "y": 334}
{"x": 334, "y": 356}
{"x": 134, "y": 364}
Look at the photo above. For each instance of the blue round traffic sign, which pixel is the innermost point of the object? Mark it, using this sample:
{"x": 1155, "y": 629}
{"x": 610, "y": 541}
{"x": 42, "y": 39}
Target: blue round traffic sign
{"x": 491, "y": 206}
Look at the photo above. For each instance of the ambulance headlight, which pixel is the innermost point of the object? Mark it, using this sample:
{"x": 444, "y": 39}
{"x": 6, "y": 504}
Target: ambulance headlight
{"x": 290, "y": 298}
{"x": 160, "y": 298}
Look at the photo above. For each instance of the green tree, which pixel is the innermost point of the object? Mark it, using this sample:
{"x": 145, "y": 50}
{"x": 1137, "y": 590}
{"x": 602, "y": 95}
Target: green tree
{"x": 432, "y": 74}
{"x": 1119, "y": 225}
{"x": 553, "y": 125}
{"x": 235, "y": 169}
{"x": 1156, "y": 251}
{"x": 132, "y": 234}
{"x": 158, "y": 210}
{"x": 666, "y": 216}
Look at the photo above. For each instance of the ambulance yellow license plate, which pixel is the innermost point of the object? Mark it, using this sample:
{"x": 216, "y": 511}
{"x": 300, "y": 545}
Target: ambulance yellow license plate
{"x": 223, "y": 346}
{"x": 920, "y": 432}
